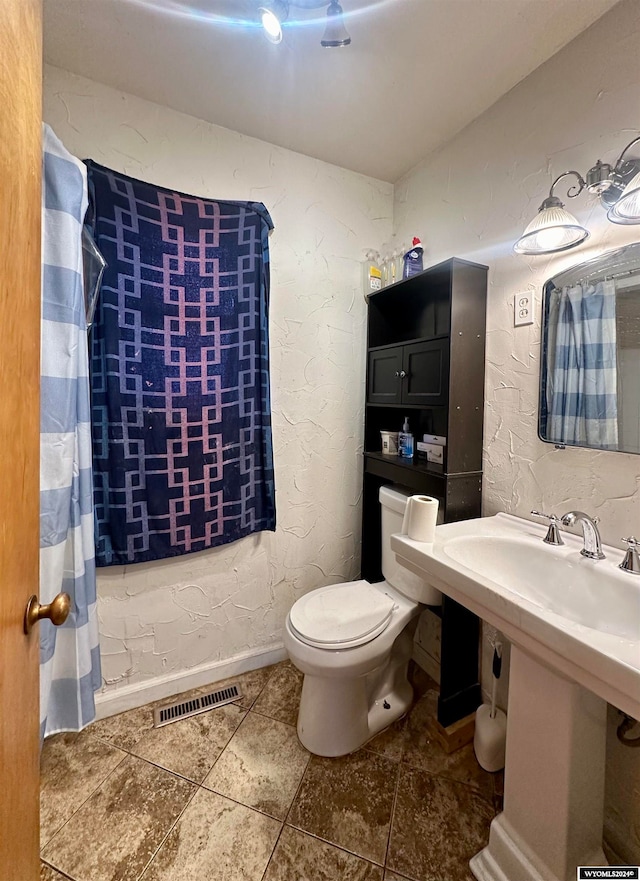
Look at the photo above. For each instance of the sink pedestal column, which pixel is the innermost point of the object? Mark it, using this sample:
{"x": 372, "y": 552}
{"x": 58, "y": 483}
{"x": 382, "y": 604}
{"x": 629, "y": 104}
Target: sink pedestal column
{"x": 554, "y": 780}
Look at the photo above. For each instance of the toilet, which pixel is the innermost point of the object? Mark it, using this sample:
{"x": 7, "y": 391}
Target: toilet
{"x": 353, "y": 643}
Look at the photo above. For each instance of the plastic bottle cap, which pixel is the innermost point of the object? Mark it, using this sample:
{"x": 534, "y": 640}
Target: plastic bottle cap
{"x": 416, "y": 241}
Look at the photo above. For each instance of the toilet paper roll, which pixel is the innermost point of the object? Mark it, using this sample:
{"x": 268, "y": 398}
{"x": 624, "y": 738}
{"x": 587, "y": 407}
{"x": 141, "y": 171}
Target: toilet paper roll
{"x": 420, "y": 517}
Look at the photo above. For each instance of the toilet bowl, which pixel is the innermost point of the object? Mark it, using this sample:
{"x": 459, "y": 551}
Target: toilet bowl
{"x": 353, "y": 643}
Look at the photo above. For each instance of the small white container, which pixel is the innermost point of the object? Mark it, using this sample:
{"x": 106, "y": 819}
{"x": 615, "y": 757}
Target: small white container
{"x": 389, "y": 443}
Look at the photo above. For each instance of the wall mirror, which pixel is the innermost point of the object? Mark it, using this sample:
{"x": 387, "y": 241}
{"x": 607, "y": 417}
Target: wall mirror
{"x": 590, "y": 365}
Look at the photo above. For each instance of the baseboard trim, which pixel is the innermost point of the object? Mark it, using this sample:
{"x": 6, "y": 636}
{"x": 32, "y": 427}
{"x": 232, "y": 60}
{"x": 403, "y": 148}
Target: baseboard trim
{"x": 128, "y": 697}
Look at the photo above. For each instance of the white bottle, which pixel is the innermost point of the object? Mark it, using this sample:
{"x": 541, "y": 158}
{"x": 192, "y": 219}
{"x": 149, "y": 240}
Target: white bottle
{"x": 405, "y": 441}
{"x": 371, "y": 274}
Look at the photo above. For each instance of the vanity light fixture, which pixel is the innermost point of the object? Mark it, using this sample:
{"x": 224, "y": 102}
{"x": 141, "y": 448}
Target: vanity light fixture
{"x": 271, "y": 17}
{"x": 618, "y": 188}
{"x": 335, "y": 35}
{"x": 274, "y": 13}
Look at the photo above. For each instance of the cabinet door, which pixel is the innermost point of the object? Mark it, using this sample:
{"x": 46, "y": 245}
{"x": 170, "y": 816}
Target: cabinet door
{"x": 426, "y": 366}
{"x": 384, "y": 385}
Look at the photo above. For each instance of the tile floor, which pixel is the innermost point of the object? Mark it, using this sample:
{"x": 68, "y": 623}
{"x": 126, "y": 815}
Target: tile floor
{"x": 231, "y": 795}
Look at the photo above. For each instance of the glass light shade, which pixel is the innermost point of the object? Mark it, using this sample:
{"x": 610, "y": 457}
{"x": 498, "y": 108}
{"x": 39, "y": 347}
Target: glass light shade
{"x": 335, "y": 35}
{"x": 271, "y": 24}
{"x": 552, "y": 229}
{"x": 627, "y": 208}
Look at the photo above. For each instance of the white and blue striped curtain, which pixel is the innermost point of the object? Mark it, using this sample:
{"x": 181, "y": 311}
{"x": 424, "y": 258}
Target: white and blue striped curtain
{"x": 581, "y": 391}
{"x": 69, "y": 655}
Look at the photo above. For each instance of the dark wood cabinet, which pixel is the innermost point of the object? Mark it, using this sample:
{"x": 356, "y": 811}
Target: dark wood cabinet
{"x": 426, "y": 348}
{"x": 414, "y": 374}
{"x": 426, "y": 369}
{"x": 384, "y": 382}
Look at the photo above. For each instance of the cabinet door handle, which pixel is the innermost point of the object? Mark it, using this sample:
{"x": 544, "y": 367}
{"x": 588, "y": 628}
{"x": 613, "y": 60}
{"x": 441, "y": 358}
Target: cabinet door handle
{"x": 397, "y": 373}
{"x": 402, "y": 374}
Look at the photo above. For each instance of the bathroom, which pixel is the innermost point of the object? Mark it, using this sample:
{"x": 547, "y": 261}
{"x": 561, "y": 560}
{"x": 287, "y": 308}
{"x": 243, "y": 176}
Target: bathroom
{"x": 201, "y": 618}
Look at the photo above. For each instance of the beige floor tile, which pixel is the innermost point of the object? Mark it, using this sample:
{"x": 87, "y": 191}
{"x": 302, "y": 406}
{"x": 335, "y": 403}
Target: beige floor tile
{"x": 49, "y": 874}
{"x": 252, "y": 684}
{"x": 422, "y": 750}
{"x": 215, "y": 840}
{"x": 299, "y": 856}
{"x": 280, "y": 698}
{"x": 390, "y": 742}
{"x": 391, "y": 876}
{"x": 347, "y": 802}
{"x": 72, "y": 766}
{"x": 262, "y": 766}
{"x": 125, "y": 729}
{"x": 438, "y": 825}
{"x": 191, "y": 746}
{"x": 116, "y": 832}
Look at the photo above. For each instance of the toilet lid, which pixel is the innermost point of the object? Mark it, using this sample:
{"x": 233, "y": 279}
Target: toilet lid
{"x": 341, "y": 615}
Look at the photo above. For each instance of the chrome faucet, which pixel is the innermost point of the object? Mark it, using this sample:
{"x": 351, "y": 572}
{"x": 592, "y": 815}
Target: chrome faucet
{"x": 592, "y": 544}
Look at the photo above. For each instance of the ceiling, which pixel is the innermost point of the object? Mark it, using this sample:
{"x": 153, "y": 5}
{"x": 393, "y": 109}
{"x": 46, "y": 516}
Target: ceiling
{"x": 416, "y": 73}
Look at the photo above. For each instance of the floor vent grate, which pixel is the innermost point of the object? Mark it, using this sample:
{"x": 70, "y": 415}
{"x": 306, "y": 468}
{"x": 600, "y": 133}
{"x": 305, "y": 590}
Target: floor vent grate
{"x": 202, "y": 703}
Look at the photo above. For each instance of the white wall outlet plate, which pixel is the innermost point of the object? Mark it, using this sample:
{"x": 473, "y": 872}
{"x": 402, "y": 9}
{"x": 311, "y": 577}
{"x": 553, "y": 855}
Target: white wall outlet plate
{"x": 523, "y": 309}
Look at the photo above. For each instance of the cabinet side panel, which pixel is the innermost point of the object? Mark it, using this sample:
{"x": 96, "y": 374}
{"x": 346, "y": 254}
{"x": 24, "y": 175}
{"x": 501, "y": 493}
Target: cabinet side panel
{"x": 464, "y": 497}
{"x": 466, "y": 379}
{"x": 371, "y": 568}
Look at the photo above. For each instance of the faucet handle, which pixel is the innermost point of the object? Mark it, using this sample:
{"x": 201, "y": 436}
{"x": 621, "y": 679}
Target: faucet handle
{"x": 553, "y": 536}
{"x": 550, "y": 517}
{"x": 631, "y": 562}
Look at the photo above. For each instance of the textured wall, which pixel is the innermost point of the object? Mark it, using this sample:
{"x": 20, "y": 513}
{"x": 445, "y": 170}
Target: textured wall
{"x": 169, "y": 617}
{"x": 473, "y": 199}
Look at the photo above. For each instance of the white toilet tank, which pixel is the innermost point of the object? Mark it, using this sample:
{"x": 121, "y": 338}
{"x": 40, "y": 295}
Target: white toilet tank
{"x": 393, "y": 501}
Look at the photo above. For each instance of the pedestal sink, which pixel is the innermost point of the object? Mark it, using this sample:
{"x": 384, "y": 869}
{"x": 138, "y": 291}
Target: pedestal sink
{"x": 574, "y": 625}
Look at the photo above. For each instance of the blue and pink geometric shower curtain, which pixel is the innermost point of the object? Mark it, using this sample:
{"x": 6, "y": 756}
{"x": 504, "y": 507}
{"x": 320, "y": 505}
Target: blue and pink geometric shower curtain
{"x": 180, "y": 371}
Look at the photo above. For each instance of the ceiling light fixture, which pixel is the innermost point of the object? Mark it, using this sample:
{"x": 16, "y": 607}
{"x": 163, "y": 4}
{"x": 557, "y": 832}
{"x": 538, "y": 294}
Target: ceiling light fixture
{"x": 555, "y": 229}
{"x": 274, "y": 13}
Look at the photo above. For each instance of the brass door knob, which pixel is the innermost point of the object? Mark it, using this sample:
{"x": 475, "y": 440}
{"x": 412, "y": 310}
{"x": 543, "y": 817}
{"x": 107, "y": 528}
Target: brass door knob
{"x": 57, "y": 611}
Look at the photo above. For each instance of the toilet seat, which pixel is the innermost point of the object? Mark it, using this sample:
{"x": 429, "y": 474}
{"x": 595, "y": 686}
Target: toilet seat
{"x": 341, "y": 616}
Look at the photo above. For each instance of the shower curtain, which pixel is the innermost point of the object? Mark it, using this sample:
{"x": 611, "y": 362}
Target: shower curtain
{"x": 581, "y": 392}
{"x": 69, "y": 655}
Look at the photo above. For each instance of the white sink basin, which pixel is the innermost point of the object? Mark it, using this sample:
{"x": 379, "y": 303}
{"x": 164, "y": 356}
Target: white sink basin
{"x": 581, "y": 617}
{"x": 557, "y": 579}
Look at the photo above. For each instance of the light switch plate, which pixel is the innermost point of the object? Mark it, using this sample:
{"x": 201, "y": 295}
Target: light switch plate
{"x": 523, "y": 309}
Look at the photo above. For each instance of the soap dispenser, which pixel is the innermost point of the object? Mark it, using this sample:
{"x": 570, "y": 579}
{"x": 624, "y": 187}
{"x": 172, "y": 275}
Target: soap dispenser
{"x": 405, "y": 441}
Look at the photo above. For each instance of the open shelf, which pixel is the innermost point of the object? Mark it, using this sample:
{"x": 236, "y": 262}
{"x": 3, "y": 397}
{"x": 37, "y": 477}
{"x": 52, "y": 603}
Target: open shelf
{"x": 432, "y": 469}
